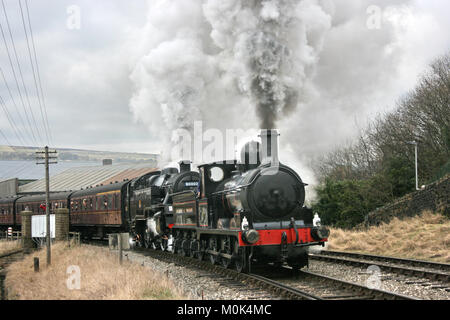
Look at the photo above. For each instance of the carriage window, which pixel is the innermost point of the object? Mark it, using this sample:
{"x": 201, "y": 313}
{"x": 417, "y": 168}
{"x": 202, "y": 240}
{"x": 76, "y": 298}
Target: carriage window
{"x": 110, "y": 201}
{"x": 113, "y": 201}
{"x": 117, "y": 200}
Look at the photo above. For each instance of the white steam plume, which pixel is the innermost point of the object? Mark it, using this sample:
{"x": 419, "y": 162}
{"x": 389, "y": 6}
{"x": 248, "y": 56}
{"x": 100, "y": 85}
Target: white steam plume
{"x": 225, "y": 62}
{"x": 243, "y": 64}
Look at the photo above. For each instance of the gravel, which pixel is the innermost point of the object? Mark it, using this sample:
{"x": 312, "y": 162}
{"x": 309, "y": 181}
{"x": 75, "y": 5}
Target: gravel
{"x": 421, "y": 288}
{"x": 200, "y": 284}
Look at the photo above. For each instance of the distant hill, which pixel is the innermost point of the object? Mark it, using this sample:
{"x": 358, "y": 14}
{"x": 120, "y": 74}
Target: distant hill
{"x": 29, "y": 153}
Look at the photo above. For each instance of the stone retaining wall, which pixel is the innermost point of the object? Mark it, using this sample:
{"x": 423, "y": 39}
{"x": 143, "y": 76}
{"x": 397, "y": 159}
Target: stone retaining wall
{"x": 435, "y": 197}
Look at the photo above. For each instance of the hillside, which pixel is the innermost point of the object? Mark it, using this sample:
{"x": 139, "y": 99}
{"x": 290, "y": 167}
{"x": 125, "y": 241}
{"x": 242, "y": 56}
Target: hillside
{"x": 425, "y": 237}
{"x": 29, "y": 153}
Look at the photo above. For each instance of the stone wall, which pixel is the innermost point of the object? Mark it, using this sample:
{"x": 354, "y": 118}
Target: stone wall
{"x": 435, "y": 197}
{"x": 61, "y": 224}
{"x": 27, "y": 242}
{"x": 61, "y": 227}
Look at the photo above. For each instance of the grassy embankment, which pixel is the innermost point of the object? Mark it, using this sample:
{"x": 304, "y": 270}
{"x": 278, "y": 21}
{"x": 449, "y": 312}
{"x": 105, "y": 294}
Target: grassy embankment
{"x": 424, "y": 237}
{"x": 8, "y": 246}
{"x": 102, "y": 278}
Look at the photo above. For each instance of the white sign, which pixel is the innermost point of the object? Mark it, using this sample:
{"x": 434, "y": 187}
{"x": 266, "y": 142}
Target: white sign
{"x": 9, "y": 231}
{"x": 39, "y": 226}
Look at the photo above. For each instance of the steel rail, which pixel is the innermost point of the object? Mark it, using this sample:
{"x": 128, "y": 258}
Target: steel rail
{"x": 353, "y": 291}
{"x": 376, "y": 294}
{"x": 363, "y": 260}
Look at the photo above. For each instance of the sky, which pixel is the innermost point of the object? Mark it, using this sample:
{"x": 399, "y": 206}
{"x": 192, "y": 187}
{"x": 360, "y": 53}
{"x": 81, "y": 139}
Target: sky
{"x": 122, "y": 75}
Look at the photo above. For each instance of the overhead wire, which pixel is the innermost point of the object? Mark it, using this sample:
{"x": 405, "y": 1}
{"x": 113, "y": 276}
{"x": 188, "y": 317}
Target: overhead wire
{"x": 20, "y": 72}
{"x": 37, "y": 69}
{"x": 14, "y": 103}
{"x": 4, "y": 137}
{"x": 11, "y": 121}
{"x": 33, "y": 137}
{"x": 34, "y": 73}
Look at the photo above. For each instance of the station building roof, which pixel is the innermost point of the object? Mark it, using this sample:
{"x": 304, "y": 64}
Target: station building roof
{"x": 82, "y": 177}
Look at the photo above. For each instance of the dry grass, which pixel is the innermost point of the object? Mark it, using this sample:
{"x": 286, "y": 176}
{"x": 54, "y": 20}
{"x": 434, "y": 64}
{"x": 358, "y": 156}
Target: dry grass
{"x": 425, "y": 237}
{"x": 7, "y": 246}
{"x": 102, "y": 278}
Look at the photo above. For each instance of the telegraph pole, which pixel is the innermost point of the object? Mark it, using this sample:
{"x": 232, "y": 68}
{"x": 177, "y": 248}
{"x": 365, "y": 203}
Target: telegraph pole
{"x": 47, "y": 195}
{"x": 417, "y": 176}
{"x": 415, "y": 160}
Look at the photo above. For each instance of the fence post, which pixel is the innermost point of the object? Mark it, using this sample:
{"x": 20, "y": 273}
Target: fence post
{"x": 36, "y": 264}
{"x": 119, "y": 243}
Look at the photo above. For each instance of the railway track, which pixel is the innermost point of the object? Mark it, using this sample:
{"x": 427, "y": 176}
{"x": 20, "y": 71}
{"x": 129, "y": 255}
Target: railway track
{"x": 5, "y": 260}
{"x": 310, "y": 286}
{"x": 439, "y": 273}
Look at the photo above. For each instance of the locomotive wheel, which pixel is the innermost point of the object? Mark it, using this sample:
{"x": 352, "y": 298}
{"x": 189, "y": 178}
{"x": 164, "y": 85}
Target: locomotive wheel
{"x": 183, "y": 250}
{"x": 212, "y": 247}
{"x": 225, "y": 262}
{"x": 174, "y": 246}
{"x": 164, "y": 244}
{"x": 212, "y": 259}
{"x": 225, "y": 246}
{"x": 238, "y": 257}
{"x": 200, "y": 252}
{"x": 239, "y": 264}
{"x": 193, "y": 248}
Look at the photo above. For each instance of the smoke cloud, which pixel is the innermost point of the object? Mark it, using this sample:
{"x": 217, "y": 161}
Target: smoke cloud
{"x": 272, "y": 47}
{"x": 222, "y": 61}
{"x": 311, "y": 68}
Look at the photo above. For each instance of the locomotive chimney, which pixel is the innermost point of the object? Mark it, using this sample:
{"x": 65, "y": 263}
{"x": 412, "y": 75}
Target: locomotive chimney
{"x": 269, "y": 146}
{"x": 185, "y": 165}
